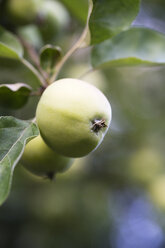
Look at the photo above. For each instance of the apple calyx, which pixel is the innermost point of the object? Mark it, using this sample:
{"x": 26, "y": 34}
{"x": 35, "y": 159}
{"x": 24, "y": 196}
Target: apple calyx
{"x": 97, "y": 125}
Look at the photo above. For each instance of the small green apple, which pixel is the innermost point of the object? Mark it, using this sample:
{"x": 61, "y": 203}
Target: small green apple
{"x": 73, "y": 117}
{"x": 41, "y": 160}
{"x": 31, "y": 34}
{"x": 23, "y": 11}
{"x": 54, "y": 17}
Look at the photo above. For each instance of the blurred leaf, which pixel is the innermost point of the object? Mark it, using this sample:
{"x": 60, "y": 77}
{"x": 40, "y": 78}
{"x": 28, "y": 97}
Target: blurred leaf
{"x": 10, "y": 47}
{"x": 13, "y": 70}
{"x": 137, "y": 46}
{"x": 110, "y": 17}
{"x": 12, "y": 51}
{"x": 49, "y": 57}
{"x": 78, "y": 8}
{"x": 14, "y": 95}
{"x": 7, "y": 52}
{"x": 14, "y": 134}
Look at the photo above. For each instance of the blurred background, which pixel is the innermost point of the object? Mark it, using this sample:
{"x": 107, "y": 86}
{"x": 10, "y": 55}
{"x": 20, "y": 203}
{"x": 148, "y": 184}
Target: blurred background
{"x": 115, "y": 197}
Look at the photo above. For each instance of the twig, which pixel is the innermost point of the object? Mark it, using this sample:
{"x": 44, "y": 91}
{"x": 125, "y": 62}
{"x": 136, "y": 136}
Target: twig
{"x": 35, "y": 59}
{"x": 33, "y": 69}
{"x": 38, "y": 92}
{"x": 73, "y": 49}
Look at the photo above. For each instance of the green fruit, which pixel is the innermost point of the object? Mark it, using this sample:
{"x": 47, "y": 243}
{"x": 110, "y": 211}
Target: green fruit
{"x": 54, "y": 17}
{"x": 73, "y": 117}
{"x": 23, "y": 11}
{"x": 31, "y": 34}
{"x": 39, "y": 159}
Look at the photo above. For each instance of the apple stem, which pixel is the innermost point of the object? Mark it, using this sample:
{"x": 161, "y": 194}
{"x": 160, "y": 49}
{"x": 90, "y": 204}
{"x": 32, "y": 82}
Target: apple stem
{"x": 97, "y": 125}
{"x": 76, "y": 46}
{"x": 35, "y": 59}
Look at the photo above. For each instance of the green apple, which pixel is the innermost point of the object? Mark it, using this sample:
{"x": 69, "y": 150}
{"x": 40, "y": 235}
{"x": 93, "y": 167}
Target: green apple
{"x": 73, "y": 117}
{"x": 23, "y": 11}
{"x": 54, "y": 17}
{"x": 41, "y": 160}
{"x": 31, "y": 34}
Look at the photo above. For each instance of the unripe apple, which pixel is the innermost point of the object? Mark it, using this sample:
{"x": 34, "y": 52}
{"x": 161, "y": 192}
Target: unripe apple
{"x": 23, "y": 11}
{"x": 41, "y": 160}
{"x": 73, "y": 117}
{"x": 31, "y": 34}
{"x": 54, "y": 17}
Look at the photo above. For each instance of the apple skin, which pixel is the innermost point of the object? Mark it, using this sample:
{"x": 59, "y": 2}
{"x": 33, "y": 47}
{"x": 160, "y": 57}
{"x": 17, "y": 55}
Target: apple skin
{"x": 54, "y": 11}
{"x": 67, "y": 114}
{"x": 32, "y": 35}
{"x": 54, "y": 18}
{"x": 41, "y": 160}
{"x": 23, "y": 11}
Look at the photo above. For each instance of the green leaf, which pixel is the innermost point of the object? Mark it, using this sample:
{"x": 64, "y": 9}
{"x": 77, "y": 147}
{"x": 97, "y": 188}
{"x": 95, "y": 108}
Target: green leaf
{"x": 110, "y": 17}
{"x": 14, "y": 134}
{"x": 137, "y": 46}
{"x": 14, "y": 96}
{"x": 13, "y": 70}
{"x": 78, "y": 8}
{"x": 11, "y": 53}
{"x": 49, "y": 57}
{"x": 10, "y": 47}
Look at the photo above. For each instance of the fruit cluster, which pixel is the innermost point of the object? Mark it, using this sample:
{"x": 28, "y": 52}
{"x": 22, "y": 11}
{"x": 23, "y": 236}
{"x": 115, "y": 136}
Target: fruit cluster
{"x": 73, "y": 117}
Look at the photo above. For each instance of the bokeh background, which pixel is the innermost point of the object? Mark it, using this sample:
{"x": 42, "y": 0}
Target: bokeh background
{"x": 114, "y": 197}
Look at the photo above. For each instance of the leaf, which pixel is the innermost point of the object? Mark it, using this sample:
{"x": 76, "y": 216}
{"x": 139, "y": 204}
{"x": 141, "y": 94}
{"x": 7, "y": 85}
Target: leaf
{"x": 110, "y": 17}
{"x": 10, "y": 47}
{"x": 11, "y": 50}
{"x": 13, "y": 70}
{"x": 137, "y": 46}
{"x": 78, "y": 8}
{"x": 49, "y": 57}
{"x": 14, "y": 134}
{"x": 14, "y": 96}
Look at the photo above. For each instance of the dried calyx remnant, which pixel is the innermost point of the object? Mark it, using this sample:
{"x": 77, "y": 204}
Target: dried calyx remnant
{"x": 97, "y": 125}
